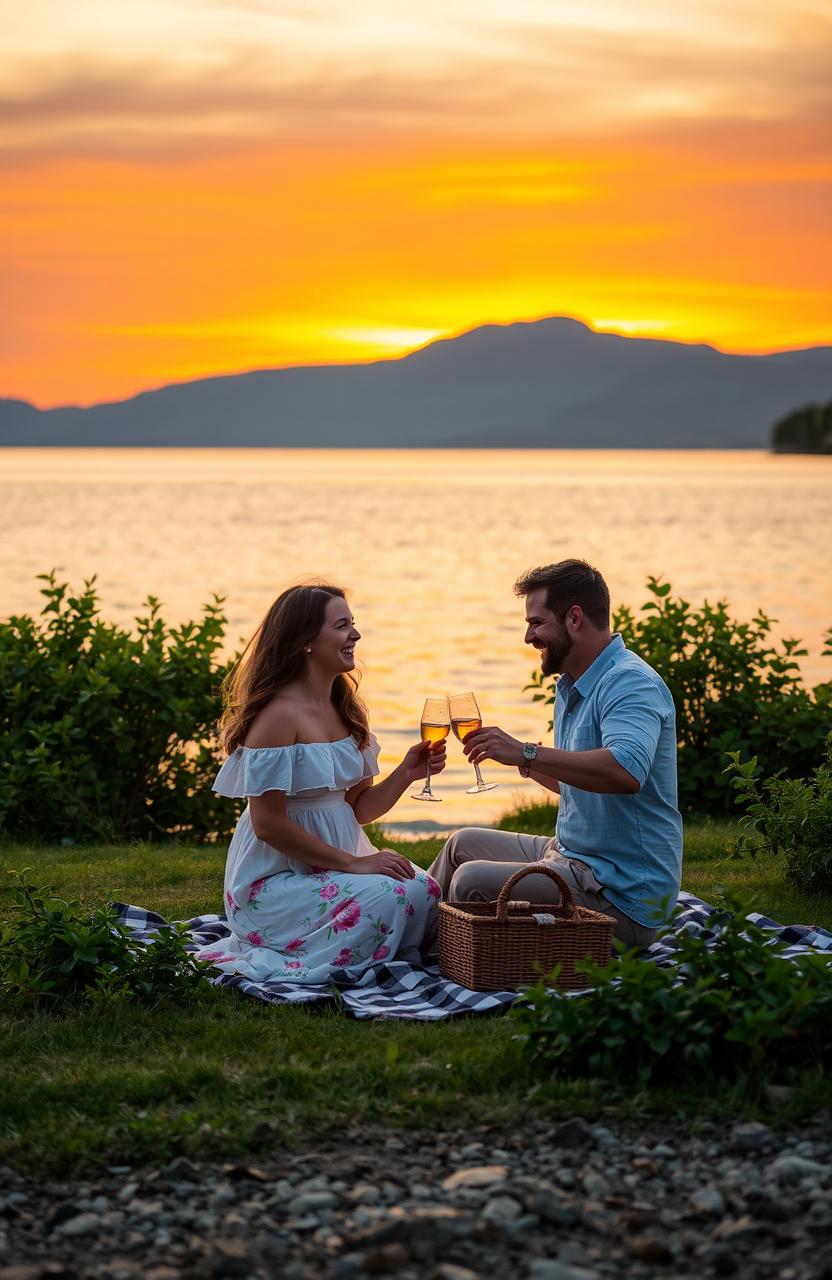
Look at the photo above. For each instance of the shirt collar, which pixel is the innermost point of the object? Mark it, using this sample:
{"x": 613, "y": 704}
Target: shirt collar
{"x": 608, "y": 655}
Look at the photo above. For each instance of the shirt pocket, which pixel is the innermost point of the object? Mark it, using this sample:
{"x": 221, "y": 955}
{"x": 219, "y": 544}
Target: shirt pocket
{"x": 585, "y": 740}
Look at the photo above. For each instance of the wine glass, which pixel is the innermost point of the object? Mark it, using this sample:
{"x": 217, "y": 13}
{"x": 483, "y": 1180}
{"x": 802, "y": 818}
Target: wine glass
{"x": 436, "y": 725}
{"x": 465, "y": 718}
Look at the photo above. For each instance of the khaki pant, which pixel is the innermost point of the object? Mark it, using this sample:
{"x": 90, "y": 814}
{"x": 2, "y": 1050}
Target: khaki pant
{"x": 476, "y": 862}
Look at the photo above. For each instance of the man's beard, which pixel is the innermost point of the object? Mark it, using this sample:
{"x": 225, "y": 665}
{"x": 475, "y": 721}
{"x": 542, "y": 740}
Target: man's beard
{"x": 554, "y": 655}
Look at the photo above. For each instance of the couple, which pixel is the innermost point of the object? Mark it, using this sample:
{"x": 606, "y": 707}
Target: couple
{"x": 307, "y": 894}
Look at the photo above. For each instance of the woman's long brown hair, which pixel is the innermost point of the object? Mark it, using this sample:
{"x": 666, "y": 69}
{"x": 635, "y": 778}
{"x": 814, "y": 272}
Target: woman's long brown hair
{"x": 274, "y": 658}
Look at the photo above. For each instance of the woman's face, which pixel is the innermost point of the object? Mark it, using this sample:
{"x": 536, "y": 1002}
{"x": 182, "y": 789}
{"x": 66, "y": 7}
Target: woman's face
{"x": 334, "y": 645}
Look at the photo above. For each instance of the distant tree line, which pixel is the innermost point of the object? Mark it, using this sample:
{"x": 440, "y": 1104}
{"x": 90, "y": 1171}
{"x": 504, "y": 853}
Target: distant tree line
{"x": 807, "y": 430}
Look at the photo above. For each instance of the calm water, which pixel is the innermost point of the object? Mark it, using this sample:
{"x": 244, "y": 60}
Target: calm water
{"x": 430, "y": 544}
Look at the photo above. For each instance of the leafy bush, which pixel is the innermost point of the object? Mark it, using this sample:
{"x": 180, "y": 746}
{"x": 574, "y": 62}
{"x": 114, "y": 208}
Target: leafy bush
{"x": 536, "y": 819}
{"x": 104, "y": 734}
{"x": 734, "y": 688}
{"x": 737, "y": 1006}
{"x": 53, "y": 951}
{"x": 791, "y": 817}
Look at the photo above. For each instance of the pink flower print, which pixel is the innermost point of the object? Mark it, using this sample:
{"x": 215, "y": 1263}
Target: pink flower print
{"x": 347, "y": 915}
{"x": 254, "y": 938}
{"x": 383, "y": 927}
{"x": 232, "y": 904}
{"x": 433, "y": 887}
{"x": 294, "y": 945}
{"x": 381, "y": 953}
{"x": 343, "y": 958}
{"x": 255, "y": 889}
{"x": 217, "y": 956}
{"x": 399, "y": 888}
{"x": 329, "y": 891}
{"x": 409, "y": 909}
{"x": 293, "y": 964}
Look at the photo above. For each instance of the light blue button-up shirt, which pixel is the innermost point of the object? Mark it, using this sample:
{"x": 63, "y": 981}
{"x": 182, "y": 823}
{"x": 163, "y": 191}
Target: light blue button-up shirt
{"x": 633, "y": 843}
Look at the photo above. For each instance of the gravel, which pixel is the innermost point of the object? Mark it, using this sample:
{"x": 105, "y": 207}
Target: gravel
{"x": 569, "y": 1201}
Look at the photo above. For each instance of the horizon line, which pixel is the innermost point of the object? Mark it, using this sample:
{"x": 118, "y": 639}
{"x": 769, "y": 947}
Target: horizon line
{"x": 405, "y": 352}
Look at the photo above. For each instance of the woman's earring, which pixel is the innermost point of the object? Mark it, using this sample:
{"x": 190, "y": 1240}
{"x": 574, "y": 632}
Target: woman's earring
{"x": 306, "y": 649}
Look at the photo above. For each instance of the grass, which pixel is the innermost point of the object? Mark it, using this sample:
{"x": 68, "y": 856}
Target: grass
{"x": 83, "y": 1090}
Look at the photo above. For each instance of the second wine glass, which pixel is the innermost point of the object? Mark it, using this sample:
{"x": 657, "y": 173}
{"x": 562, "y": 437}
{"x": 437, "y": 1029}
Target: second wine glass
{"x": 465, "y": 718}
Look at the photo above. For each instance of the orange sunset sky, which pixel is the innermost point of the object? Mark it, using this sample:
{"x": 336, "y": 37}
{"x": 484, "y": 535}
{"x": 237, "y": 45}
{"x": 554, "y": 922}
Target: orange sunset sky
{"x": 204, "y": 186}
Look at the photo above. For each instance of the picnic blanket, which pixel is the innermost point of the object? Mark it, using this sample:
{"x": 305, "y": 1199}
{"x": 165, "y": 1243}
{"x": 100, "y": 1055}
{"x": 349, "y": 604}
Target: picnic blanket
{"x": 396, "y": 989}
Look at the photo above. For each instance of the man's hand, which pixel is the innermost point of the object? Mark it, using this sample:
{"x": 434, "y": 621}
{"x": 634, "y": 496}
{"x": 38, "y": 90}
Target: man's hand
{"x": 492, "y": 744}
{"x": 415, "y": 761}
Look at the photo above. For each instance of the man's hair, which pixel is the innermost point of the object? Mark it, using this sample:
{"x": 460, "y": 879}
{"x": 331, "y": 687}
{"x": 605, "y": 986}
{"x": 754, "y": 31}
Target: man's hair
{"x": 570, "y": 582}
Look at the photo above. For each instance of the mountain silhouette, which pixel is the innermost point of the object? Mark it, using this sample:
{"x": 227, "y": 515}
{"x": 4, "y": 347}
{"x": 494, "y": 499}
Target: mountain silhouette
{"x": 543, "y": 384}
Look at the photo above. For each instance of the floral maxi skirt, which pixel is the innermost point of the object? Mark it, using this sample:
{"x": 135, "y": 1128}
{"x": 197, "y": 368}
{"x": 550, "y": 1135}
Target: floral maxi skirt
{"x": 303, "y": 927}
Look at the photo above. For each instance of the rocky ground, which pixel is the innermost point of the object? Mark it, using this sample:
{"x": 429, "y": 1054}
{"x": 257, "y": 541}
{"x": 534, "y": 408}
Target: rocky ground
{"x": 564, "y": 1201}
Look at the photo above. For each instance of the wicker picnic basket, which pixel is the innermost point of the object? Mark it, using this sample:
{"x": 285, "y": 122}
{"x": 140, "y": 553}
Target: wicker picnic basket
{"x": 497, "y": 946}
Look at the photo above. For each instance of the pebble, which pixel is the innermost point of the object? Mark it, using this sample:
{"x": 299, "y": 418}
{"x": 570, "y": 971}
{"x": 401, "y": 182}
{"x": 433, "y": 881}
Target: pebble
{"x": 573, "y": 1133}
{"x": 595, "y": 1185}
{"x": 789, "y": 1168}
{"x": 449, "y": 1271}
{"x": 312, "y": 1202}
{"x": 482, "y": 1176}
{"x": 554, "y": 1269}
{"x": 650, "y": 1249}
{"x": 752, "y": 1137}
{"x": 365, "y": 1193}
{"x": 708, "y": 1200}
{"x": 559, "y": 1201}
{"x": 81, "y": 1225}
{"x": 552, "y": 1207}
{"x": 502, "y": 1209}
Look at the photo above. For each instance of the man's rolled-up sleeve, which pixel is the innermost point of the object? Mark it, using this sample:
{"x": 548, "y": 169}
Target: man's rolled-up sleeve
{"x": 631, "y": 721}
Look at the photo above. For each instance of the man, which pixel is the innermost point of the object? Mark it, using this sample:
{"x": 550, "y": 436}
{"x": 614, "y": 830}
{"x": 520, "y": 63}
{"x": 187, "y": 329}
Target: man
{"x": 618, "y": 840}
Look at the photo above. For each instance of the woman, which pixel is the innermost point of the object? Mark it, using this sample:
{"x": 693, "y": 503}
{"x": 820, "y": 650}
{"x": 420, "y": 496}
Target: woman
{"x": 306, "y": 893}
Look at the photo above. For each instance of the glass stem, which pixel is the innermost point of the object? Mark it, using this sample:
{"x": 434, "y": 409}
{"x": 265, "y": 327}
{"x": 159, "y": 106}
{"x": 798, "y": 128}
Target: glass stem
{"x": 426, "y": 791}
{"x": 480, "y": 782}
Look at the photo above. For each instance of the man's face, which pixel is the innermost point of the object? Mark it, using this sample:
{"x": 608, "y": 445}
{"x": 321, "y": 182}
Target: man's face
{"x": 546, "y": 633}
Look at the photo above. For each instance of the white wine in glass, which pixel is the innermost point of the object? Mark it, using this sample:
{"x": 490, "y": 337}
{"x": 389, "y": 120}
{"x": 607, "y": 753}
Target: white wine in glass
{"x": 436, "y": 725}
{"x": 465, "y": 718}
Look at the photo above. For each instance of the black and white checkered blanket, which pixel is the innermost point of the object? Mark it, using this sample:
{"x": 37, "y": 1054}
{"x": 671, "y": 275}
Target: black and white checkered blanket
{"x": 399, "y": 990}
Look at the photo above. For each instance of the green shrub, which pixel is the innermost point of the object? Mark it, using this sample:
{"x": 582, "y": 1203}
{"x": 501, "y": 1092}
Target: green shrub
{"x": 788, "y": 817}
{"x": 536, "y": 819}
{"x": 53, "y": 952}
{"x": 105, "y": 734}
{"x": 735, "y": 1007}
{"x": 734, "y": 689}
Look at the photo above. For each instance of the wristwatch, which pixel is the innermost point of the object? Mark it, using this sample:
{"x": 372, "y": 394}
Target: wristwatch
{"x": 529, "y": 757}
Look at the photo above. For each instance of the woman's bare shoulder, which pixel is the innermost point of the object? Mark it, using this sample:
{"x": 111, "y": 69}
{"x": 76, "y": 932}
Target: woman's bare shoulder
{"x": 275, "y": 726}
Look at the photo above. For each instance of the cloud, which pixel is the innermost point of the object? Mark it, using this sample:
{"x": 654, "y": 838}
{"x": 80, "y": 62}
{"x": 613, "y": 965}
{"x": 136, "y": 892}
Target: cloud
{"x": 89, "y": 103}
{"x": 647, "y": 75}
{"x": 554, "y": 81}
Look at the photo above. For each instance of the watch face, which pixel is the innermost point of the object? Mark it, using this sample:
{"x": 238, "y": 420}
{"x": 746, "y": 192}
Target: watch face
{"x": 529, "y": 751}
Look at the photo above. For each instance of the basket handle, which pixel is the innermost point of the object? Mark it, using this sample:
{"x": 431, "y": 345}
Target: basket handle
{"x": 567, "y": 898}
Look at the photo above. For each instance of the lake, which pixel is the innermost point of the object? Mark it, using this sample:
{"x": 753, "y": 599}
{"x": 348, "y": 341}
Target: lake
{"x": 429, "y": 544}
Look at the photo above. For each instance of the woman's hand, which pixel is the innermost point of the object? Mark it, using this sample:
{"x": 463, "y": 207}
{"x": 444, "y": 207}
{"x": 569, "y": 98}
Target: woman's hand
{"x": 415, "y": 761}
{"x": 384, "y": 863}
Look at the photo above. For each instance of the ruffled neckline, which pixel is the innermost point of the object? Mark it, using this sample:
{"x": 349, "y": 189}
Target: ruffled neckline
{"x": 302, "y": 766}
